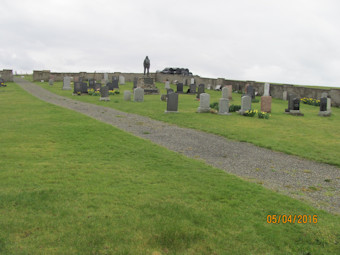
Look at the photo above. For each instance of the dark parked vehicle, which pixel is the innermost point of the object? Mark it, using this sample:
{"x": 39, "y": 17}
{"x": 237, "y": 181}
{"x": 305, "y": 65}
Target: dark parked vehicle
{"x": 175, "y": 70}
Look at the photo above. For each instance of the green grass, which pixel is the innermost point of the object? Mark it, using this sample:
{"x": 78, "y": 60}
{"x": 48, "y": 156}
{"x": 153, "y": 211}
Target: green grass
{"x": 72, "y": 185}
{"x": 312, "y": 137}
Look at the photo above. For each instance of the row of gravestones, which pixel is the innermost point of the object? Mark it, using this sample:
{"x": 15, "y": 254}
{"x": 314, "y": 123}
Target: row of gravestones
{"x": 82, "y": 86}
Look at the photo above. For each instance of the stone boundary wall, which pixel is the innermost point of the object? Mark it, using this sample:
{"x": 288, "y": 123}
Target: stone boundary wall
{"x": 276, "y": 90}
{"x": 7, "y": 75}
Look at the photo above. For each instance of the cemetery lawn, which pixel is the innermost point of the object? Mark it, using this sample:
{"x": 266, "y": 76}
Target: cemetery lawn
{"x": 312, "y": 137}
{"x": 70, "y": 184}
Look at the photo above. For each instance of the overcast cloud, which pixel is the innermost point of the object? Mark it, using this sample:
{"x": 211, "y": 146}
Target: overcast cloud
{"x": 287, "y": 41}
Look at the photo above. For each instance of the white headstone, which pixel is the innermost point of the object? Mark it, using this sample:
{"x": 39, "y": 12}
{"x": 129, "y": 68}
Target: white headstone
{"x": 121, "y": 80}
{"x": 329, "y": 103}
{"x": 138, "y": 95}
{"x": 167, "y": 85}
{"x": 106, "y": 77}
{"x": 204, "y": 103}
{"x": 192, "y": 81}
{"x": 127, "y": 95}
{"x": 284, "y": 95}
{"x": 266, "y": 89}
{"x": 225, "y": 92}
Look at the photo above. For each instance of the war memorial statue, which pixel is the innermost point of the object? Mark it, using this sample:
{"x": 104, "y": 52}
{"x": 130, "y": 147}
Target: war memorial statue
{"x": 146, "y": 65}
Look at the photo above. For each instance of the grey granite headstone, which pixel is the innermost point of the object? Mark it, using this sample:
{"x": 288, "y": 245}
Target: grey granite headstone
{"x": 172, "y": 103}
{"x": 91, "y": 83}
{"x": 223, "y": 107}
{"x": 50, "y": 82}
{"x": 325, "y": 107}
{"x": 138, "y": 95}
{"x": 179, "y": 88}
{"x": 204, "y": 103}
{"x": 115, "y": 84}
{"x": 121, "y": 80}
{"x": 266, "y": 89}
{"x": 167, "y": 85}
{"x": 200, "y": 90}
{"x": 135, "y": 81}
{"x": 83, "y": 87}
{"x": 251, "y": 92}
{"x": 192, "y": 81}
{"x": 67, "y": 83}
{"x": 127, "y": 95}
{"x": 225, "y": 92}
{"x": 245, "y": 104}
{"x": 192, "y": 88}
{"x": 104, "y": 94}
{"x": 284, "y": 95}
{"x": 109, "y": 85}
{"x": 77, "y": 87}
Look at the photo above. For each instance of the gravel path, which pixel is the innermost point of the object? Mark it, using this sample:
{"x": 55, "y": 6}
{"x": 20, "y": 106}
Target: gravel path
{"x": 316, "y": 183}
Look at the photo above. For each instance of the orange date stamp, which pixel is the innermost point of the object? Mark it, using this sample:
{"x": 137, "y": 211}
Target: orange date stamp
{"x": 299, "y": 219}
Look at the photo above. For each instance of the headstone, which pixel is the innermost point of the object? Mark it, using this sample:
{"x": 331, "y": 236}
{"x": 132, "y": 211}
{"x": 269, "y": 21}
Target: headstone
{"x": 109, "y": 85}
{"x": 192, "y": 81}
{"x": 50, "y": 82}
{"x": 91, "y": 83}
{"x": 172, "y": 103}
{"x": 266, "y": 104}
{"x": 106, "y": 77}
{"x": 294, "y": 105}
{"x": 284, "y": 95}
{"x": 223, "y": 107}
{"x": 104, "y": 94}
{"x": 200, "y": 90}
{"x": 115, "y": 84}
{"x": 218, "y": 87}
{"x": 67, "y": 83}
{"x": 97, "y": 86}
{"x": 204, "y": 103}
{"x": 209, "y": 86}
{"x": 121, "y": 80}
{"x": 138, "y": 95}
{"x": 83, "y": 87}
{"x": 266, "y": 89}
{"x": 245, "y": 104}
{"x": 192, "y": 88}
{"x": 114, "y": 78}
{"x": 135, "y": 81}
{"x": 225, "y": 92}
{"x": 77, "y": 87}
{"x": 179, "y": 88}
{"x": 325, "y": 107}
{"x": 230, "y": 91}
{"x": 127, "y": 95}
{"x": 251, "y": 92}
{"x": 75, "y": 79}
{"x": 167, "y": 85}
{"x": 290, "y": 98}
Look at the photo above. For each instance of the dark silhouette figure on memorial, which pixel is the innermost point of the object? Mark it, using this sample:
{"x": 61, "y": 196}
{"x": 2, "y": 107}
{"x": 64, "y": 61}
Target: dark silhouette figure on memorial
{"x": 146, "y": 65}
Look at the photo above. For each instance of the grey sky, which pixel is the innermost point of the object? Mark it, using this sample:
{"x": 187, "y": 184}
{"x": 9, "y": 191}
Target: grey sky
{"x": 288, "y": 41}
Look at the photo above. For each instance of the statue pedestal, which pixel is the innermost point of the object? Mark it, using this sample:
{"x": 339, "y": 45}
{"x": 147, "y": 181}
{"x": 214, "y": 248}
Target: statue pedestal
{"x": 148, "y": 84}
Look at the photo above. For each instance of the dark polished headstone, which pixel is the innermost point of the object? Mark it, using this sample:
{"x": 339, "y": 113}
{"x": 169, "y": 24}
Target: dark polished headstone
{"x": 172, "y": 103}
{"x": 179, "y": 88}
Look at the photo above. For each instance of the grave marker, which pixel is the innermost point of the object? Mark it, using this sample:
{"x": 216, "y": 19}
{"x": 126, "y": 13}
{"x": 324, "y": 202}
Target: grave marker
{"x": 245, "y": 104}
{"x": 179, "y": 88}
{"x": 172, "y": 103}
{"x": 138, "y": 95}
{"x": 127, "y": 95}
{"x": 104, "y": 94}
{"x": 67, "y": 83}
{"x": 204, "y": 103}
{"x": 223, "y": 107}
{"x": 200, "y": 90}
{"x": 325, "y": 107}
